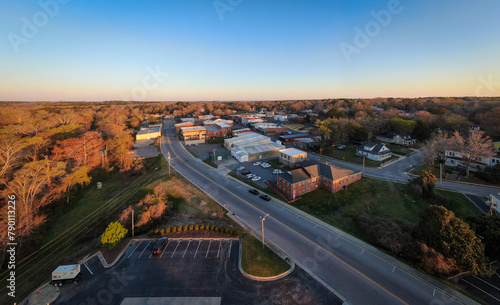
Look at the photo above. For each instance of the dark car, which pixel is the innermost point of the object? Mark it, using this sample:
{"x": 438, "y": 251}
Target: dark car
{"x": 159, "y": 245}
{"x": 245, "y": 172}
{"x": 254, "y": 191}
{"x": 265, "y": 197}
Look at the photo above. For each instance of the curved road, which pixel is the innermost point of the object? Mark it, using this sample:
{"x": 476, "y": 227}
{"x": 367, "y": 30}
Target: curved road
{"x": 357, "y": 274}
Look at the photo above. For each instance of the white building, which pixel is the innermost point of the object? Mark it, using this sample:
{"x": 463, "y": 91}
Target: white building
{"x": 256, "y": 152}
{"x": 374, "y": 151}
{"x": 280, "y": 117}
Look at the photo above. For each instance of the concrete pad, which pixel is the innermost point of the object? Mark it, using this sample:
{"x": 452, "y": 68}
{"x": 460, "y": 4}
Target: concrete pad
{"x": 172, "y": 301}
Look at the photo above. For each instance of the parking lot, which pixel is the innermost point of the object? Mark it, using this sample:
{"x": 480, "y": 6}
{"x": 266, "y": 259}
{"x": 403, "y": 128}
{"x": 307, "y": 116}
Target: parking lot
{"x": 486, "y": 289}
{"x": 264, "y": 173}
{"x": 203, "y": 270}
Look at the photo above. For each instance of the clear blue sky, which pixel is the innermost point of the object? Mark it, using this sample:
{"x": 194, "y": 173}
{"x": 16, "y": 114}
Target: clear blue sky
{"x": 247, "y": 50}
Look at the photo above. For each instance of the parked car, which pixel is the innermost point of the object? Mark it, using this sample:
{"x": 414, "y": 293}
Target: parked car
{"x": 159, "y": 245}
{"x": 240, "y": 168}
{"x": 341, "y": 147}
{"x": 245, "y": 172}
{"x": 257, "y": 163}
{"x": 265, "y": 197}
{"x": 249, "y": 176}
{"x": 256, "y": 178}
{"x": 254, "y": 191}
{"x": 266, "y": 165}
{"x": 276, "y": 171}
{"x": 289, "y": 172}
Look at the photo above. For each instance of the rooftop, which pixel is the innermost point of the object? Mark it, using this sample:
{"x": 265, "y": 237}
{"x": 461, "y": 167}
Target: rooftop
{"x": 292, "y": 151}
{"x": 148, "y": 130}
{"x": 312, "y": 168}
{"x": 295, "y": 135}
{"x": 193, "y": 128}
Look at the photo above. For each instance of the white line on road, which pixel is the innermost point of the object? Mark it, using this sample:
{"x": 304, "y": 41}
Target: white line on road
{"x": 134, "y": 249}
{"x": 363, "y": 251}
{"x": 434, "y": 292}
{"x": 199, "y": 243}
{"x": 393, "y": 268}
{"x": 144, "y": 249}
{"x": 481, "y": 290}
{"x": 298, "y": 216}
{"x": 282, "y": 208}
{"x": 315, "y": 226}
{"x": 164, "y": 249}
{"x": 486, "y": 282}
{"x": 206, "y": 255}
{"x": 178, "y": 243}
{"x": 186, "y": 249}
{"x": 218, "y": 251}
{"x": 230, "y": 245}
{"x": 88, "y": 268}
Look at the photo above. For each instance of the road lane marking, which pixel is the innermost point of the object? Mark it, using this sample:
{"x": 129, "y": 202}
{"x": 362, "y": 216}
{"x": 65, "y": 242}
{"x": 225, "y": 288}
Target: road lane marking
{"x": 206, "y": 255}
{"x": 486, "y": 282}
{"x": 164, "y": 249}
{"x": 199, "y": 243}
{"x": 315, "y": 226}
{"x": 178, "y": 243}
{"x": 230, "y": 245}
{"x": 218, "y": 251}
{"x": 304, "y": 237}
{"x": 434, "y": 292}
{"x": 186, "y": 249}
{"x": 134, "y": 249}
{"x": 363, "y": 251}
{"x": 144, "y": 249}
{"x": 481, "y": 290}
{"x": 88, "y": 268}
{"x": 297, "y": 216}
{"x": 393, "y": 269}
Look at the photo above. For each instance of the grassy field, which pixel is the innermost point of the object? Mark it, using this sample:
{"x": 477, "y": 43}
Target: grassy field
{"x": 399, "y": 150}
{"x": 260, "y": 261}
{"x": 378, "y": 198}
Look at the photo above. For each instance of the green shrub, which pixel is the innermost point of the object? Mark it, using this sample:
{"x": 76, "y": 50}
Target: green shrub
{"x": 212, "y": 227}
{"x": 168, "y": 230}
{"x": 226, "y": 230}
{"x": 150, "y": 233}
{"x": 202, "y": 227}
{"x": 185, "y": 228}
{"x": 196, "y": 227}
{"x": 174, "y": 229}
{"x": 179, "y": 228}
{"x": 156, "y": 231}
{"x": 191, "y": 227}
{"x": 216, "y": 229}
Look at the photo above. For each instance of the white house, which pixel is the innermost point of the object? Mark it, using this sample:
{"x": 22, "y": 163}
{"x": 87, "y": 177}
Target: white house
{"x": 454, "y": 159}
{"x": 280, "y": 117}
{"x": 495, "y": 201}
{"x": 374, "y": 151}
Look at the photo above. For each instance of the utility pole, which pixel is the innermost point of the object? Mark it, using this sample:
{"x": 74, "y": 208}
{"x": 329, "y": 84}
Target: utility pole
{"x": 262, "y": 221}
{"x": 132, "y": 223}
{"x": 321, "y": 152}
{"x": 215, "y": 161}
{"x": 168, "y": 158}
{"x": 441, "y": 174}
{"x": 363, "y": 165}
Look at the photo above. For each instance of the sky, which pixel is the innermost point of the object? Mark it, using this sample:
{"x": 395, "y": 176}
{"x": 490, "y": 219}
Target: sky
{"x": 226, "y": 50}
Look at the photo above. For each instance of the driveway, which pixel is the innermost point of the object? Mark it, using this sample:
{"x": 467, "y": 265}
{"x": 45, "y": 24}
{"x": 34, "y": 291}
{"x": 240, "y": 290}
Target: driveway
{"x": 196, "y": 271}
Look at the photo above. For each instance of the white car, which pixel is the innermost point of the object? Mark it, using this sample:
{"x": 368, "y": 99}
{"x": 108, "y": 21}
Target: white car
{"x": 240, "y": 168}
{"x": 289, "y": 172}
{"x": 257, "y": 163}
{"x": 277, "y": 171}
{"x": 256, "y": 178}
{"x": 250, "y": 176}
{"x": 266, "y": 165}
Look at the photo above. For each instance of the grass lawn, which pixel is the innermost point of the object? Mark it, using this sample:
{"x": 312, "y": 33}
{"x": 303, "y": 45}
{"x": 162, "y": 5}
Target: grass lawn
{"x": 258, "y": 261}
{"x": 399, "y": 150}
{"x": 378, "y": 198}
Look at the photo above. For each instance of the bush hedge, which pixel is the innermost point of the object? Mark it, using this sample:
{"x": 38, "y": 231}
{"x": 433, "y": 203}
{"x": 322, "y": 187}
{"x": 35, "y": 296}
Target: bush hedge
{"x": 193, "y": 227}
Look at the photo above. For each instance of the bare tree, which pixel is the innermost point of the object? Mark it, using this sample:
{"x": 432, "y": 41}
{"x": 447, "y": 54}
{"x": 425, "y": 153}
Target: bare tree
{"x": 10, "y": 156}
{"x": 473, "y": 147}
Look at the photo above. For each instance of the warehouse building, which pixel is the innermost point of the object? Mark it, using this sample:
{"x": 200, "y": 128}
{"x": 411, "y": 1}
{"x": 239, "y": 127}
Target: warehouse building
{"x": 246, "y": 139}
{"x": 148, "y": 133}
{"x": 256, "y": 152}
{"x": 194, "y": 135}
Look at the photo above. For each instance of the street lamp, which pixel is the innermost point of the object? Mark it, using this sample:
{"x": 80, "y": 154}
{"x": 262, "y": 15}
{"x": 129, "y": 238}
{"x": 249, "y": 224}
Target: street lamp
{"x": 262, "y": 221}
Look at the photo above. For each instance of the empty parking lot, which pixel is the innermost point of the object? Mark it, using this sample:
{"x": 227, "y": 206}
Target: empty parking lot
{"x": 188, "y": 268}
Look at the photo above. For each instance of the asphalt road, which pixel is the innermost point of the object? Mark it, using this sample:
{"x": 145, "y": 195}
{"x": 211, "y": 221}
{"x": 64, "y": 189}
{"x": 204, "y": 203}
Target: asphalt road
{"x": 357, "y": 274}
{"x": 188, "y": 269}
{"x": 479, "y": 202}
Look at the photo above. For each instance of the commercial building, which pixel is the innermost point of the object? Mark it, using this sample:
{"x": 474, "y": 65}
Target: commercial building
{"x": 246, "y": 139}
{"x": 148, "y": 133}
{"x": 373, "y": 151}
{"x": 311, "y": 175}
{"x": 218, "y": 121}
{"x": 307, "y": 144}
{"x": 256, "y": 152}
{"x": 178, "y": 126}
{"x": 291, "y": 137}
{"x": 213, "y": 131}
{"x": 269, "y": 129}
{"x": 292, "y": 156}
{"x": 225, "y": 129}
{"x": 193, "y": 135}
{"x": 238, "y": 132}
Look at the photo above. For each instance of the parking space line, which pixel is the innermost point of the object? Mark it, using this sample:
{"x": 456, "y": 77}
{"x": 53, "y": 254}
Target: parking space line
{"x": 164, "y": 249}
{"x": 88, "y": 268}
{"x": 218, "y": 251}
{"x": 480, "y": 290}
{"x": 186, "y": 249}
{"x": 199, "y": 243}
{"x": 486, "y": 282}
{"x": 230, "y": 245}
{"x": 206, "y": 255}
{"x": 134, "y": 249}
{"x": 144, "y": 249}
{"x": 178, "y": 243}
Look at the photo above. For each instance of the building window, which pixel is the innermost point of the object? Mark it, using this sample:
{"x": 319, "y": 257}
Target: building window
{"x": 294, "y": 186}
{"x": 309, "y": 189}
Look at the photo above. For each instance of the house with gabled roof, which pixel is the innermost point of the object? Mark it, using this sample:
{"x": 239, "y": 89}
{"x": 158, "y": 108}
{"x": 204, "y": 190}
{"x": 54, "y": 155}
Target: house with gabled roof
{"x": 398, "y": 139}
{"x": 311, "y": 175}
{"x": 374, "y": 151}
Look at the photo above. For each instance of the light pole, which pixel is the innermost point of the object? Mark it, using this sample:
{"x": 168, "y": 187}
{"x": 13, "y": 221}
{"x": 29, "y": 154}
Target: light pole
{"x": 262, "y": 221}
